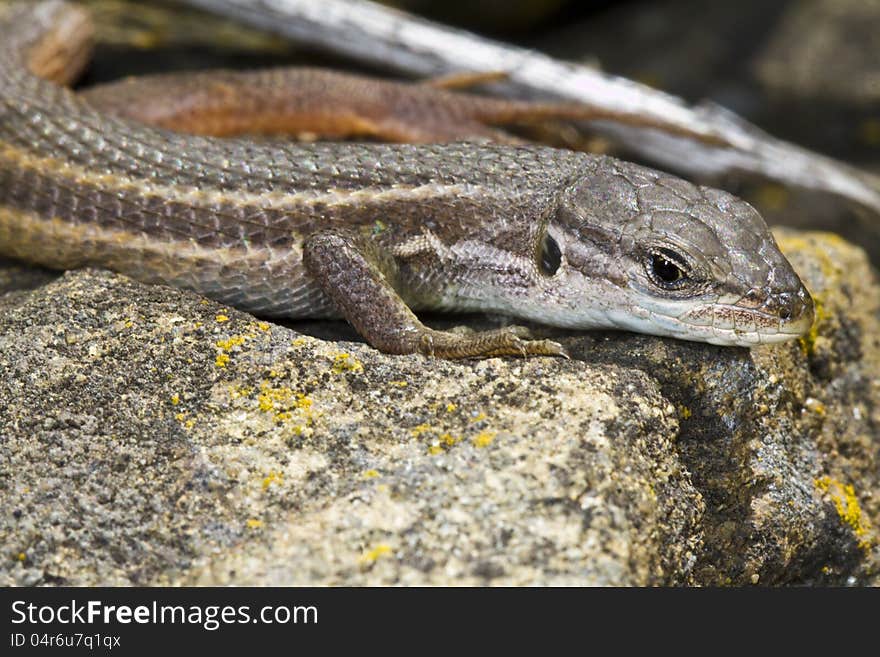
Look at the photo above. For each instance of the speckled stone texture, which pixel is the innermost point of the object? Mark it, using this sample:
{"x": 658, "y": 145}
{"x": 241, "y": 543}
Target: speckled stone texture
{"x": 148, "y": 436}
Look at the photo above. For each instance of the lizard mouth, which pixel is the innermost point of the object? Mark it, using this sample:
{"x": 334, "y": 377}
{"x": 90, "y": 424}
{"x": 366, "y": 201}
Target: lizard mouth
{"x": 782, "y": 317}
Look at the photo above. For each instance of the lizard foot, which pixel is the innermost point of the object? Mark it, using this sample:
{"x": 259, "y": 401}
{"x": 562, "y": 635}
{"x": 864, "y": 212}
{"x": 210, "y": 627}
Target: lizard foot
{"x": 508, "y": 341}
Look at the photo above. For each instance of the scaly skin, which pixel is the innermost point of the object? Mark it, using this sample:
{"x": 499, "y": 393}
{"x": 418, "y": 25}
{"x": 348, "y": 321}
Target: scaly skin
{"x": 372, "y": 232}
{"x": 322, "y": 102}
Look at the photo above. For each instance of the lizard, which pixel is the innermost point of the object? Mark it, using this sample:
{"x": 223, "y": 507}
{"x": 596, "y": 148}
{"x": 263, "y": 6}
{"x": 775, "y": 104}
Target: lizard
{"x": 375, "y": 232}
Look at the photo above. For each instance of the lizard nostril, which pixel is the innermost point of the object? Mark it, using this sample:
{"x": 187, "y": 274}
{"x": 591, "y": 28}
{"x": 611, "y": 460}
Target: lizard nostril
{"x": 786, "y": 304}
{"x": 794, "y": 306}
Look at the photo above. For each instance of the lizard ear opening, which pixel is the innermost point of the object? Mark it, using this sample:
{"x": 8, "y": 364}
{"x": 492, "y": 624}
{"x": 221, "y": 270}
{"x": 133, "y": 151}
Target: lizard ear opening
{"x": 550, "y": 256}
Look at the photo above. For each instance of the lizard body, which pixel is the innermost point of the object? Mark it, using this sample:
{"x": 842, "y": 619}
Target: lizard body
{"x": 373, "y": 232}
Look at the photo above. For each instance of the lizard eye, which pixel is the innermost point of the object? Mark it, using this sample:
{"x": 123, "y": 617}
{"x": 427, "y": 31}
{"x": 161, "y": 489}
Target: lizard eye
{"x": 667, "y": 269}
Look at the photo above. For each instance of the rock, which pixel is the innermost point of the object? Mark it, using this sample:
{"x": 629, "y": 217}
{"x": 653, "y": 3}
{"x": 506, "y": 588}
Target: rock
{"x": 152, "y": 437}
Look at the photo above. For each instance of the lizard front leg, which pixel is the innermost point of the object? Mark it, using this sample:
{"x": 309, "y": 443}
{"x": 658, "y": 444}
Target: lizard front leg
{"x": 360, "y": 284}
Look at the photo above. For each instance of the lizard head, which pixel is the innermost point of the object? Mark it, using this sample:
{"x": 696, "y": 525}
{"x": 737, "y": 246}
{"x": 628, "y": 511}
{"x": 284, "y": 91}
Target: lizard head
{"x": 651, "y": 253}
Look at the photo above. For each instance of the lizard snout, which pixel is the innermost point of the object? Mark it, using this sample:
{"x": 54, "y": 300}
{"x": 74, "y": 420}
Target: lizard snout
{"x": 795, "y": 309}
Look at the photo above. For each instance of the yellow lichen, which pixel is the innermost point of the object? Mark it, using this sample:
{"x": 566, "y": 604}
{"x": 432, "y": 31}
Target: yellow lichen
{"x": 21, "y": 556}
{"x": 346, "y": 363}
{"x": 175, "y": 399}
{"x": 449, "y": 440}
{"x": 815, "y": 406}
{"x": 398, "y": 384}
{"x": 443, "y": 443}
{"x": 450, "y": 407}
{"x": 484, "y": 438}
{"x": 299, "y": 342}
{"x": 231, "y": 342}
{"x": 808, "y": 342}
{"x": 265, "y": 402}
{"x": 370, "y": 474}
{"x": 187, "y": 423}
{"x": 420, "y": 429}
{"x": 830, "y": 266}
{"x": 253, "y": 523}
{"x": 686, "y": 413}
{"x": 264, "y": 326}
{"x": 847, "y": 505}
{"x": 222, "y": 318}
{"x": 286, "y": 404}
{"x": 236, "y": 392}
{"x": 478, "y": 418}
{"x": 371, "y": 556}
{"x": 272, "y": 478}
